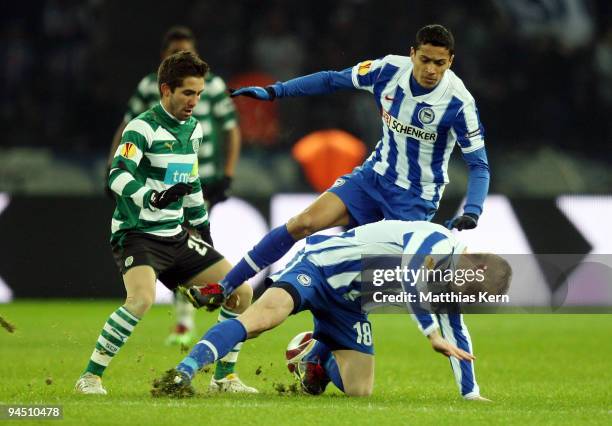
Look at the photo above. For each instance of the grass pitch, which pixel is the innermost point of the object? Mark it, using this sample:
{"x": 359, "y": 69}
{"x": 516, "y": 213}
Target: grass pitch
{"x": 538, "y": 369}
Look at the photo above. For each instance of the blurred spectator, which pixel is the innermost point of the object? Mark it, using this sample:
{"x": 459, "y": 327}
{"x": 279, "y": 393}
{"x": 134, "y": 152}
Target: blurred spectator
{"x": 258, "y": 120}
{"x": 276, "y": 50}
{"x": 566, "y": 22}
{"x": 603, "y": 67}
{"x": 17, "y": 57}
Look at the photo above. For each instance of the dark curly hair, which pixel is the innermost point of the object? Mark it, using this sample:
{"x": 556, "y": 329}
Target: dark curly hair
{"x": 175, "y": 68}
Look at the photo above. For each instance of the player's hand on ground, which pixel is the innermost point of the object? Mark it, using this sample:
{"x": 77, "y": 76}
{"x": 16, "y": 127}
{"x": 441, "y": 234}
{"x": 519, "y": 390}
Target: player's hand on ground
{"x": 209, "y": 297}
{"x": 478, "y": 398}
{"x": 255, "y": 92}
{"x": 443, "y": 346}
{"x": 161, "y": 200}
{"x": 465, "y": 221}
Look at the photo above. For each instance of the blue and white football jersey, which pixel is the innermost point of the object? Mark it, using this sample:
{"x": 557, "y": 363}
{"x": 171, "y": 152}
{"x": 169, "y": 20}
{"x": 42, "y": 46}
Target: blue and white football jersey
{"x": 339, "y": 257}
{"x": 419, "y": 132}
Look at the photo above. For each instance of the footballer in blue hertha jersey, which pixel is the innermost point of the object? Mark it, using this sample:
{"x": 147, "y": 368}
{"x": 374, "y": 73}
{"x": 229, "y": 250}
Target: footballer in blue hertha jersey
{"x": 325, "y": 278}
{"x": 425, "y": 110}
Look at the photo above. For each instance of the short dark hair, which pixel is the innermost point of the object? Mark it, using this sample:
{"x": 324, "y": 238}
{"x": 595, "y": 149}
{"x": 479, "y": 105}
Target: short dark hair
{"x": 436, "y": 35}
{"x": 176, "y": 33}
{"x": 175, "y": 68}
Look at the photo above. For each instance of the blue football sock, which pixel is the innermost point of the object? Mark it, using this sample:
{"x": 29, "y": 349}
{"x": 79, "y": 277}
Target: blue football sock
{"x": 331, "y": 368}
{"x": 271, "y": 248}
{"x": 215, "y": 344}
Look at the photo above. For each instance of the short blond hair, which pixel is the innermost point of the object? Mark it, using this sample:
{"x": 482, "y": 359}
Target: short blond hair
{"x": 496, "y": 270}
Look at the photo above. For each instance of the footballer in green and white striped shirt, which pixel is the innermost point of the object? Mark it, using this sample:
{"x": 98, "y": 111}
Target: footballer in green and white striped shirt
{"x": 154, "y": 174}
{"x": 220, "y": 145}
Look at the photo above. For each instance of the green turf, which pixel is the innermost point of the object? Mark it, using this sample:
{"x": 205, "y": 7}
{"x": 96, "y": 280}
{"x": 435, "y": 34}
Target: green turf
{"x": 538, "y": 369}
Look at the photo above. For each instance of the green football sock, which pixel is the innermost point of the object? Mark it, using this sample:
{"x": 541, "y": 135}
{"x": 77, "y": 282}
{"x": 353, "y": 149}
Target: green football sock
{"x": 115, "y": 333}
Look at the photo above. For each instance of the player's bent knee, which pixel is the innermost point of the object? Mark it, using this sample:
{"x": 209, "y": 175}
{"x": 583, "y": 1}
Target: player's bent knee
{"x": 360, "y": 391}
{"x": 245, "y": 294}
{"x": 138, "y": 304}
{"x": 302, "y": 225}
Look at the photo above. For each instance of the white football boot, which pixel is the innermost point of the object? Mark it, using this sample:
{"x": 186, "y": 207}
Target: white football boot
{"x": 230, "y": 383}
{"x": 90, "y": 384}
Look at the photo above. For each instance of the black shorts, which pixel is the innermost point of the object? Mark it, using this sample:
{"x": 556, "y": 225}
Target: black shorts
{"x": 175, "y": 260}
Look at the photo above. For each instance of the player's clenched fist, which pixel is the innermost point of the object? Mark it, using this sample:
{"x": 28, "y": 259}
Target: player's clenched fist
{"x": 465, "y": 221}
{"x": 161, "y": 200}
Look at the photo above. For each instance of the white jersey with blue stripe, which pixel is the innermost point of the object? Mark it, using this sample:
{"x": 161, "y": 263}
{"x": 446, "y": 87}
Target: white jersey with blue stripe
{"x": 419, "y": 132}
{"x": 339, "y": 259}
{"x": 339, "y": 256}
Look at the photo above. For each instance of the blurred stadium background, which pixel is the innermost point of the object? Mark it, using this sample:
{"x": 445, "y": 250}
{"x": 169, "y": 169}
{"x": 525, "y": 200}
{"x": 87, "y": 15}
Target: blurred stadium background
{"x": 540, "y": 70}
{"x": 541, "y": 73}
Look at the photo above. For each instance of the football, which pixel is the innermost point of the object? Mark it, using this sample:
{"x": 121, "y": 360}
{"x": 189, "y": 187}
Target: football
{"x": 299, "y": 345}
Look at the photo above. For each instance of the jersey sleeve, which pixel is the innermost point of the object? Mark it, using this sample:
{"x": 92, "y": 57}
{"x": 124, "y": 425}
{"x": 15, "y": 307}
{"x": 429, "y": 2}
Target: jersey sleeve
{"x": 193, "y": 204}
{"x": 135, "y": 141}
{"x": 422, "y": 254}
{"x": 468, "y": 128}
{"x": 137, "y": 103}
{"x": 365, "y": 74}
{"x": 222, "y": 106}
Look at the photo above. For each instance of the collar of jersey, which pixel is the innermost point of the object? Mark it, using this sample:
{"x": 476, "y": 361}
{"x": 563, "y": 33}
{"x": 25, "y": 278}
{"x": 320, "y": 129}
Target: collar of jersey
{"x": 431, "y": 96}
{"x": 167, "y": 119}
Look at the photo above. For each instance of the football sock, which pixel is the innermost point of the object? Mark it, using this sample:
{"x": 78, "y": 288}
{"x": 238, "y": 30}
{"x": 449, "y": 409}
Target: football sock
{"x": 271, "y": 248}
{"x": 227, "y": 364}
{"x": 184, "y": 312}
{"x": 331, "y": 368}
{"x": 117, "y": 329}
{"x": 216, "y": 343}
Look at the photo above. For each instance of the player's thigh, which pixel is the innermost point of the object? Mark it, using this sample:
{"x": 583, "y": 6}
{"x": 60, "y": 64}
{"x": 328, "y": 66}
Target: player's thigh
{"x": 327, "y": 211}
{"x": 212, "y": 274}
{"x": 139, "y": 284}
{"x": 270, "y": 310}
{"x": 357, "y": 371}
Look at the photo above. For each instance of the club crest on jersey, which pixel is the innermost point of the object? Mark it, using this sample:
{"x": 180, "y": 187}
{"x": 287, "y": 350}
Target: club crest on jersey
{"x": 364, "y": 67}
{"x": 128, "y": 150}
{"x": 426, "y": 115}
{"x": 196, "y": 145}
{"x": 304, "y": 280}
{"x": 128, "y": 261}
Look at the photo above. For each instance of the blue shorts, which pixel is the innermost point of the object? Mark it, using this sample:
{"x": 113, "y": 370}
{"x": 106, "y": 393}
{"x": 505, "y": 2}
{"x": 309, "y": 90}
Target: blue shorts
{"x": 370, "y": 197}
{"x": 338, "y": 322}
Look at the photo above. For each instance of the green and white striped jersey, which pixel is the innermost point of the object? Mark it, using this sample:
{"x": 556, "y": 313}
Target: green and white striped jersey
{"x": 156, "y": 152}
{"x": 215, "y": 112}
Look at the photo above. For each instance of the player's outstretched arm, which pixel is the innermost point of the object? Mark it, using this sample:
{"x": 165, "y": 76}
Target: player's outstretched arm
{"x": 319, "y": 83}
{"x": 478, "y": 187}
{"x": 441, "y": 345}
